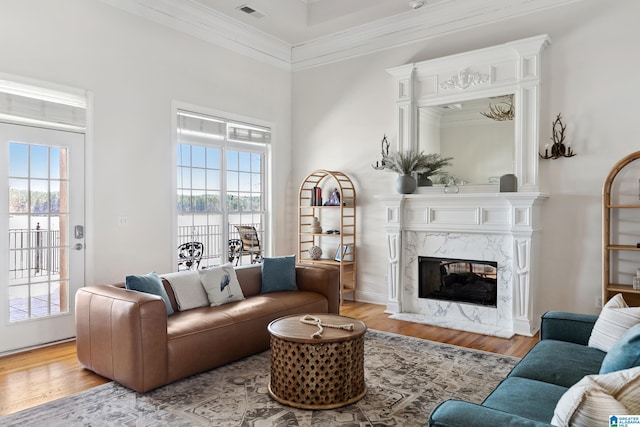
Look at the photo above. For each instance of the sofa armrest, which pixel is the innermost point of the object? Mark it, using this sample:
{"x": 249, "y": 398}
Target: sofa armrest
{"x": 122, "y": 335}
{"x": 452, "y": 413}
{"x": 322, "y": 279}
{"x": 570, "y": 327}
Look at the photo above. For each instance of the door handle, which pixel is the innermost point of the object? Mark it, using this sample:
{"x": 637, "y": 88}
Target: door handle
{"x": 78, "y": 246}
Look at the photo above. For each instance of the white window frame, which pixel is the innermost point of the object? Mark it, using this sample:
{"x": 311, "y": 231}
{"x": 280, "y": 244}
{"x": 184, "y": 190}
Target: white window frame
{"x": 266, "y": 243}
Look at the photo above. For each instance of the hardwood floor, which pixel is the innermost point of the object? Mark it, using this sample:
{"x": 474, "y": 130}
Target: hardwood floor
{"x": 375, "y": 318}
{"x": 38, "y": 376}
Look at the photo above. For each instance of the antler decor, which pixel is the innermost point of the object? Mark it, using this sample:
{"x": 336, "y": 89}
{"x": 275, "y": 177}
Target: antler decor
{"x": 500, "y": 112}
{"x": 384, "y": 150}
{"x": 559, "y": 148}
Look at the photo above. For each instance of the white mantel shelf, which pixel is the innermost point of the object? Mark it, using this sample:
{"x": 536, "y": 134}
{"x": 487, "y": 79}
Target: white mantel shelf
{"x": 464, "y": 212}
{"x": 501, "y": 227}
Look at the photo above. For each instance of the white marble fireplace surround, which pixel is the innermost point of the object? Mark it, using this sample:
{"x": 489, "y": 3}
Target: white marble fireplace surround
{"x": 501, "y": 227}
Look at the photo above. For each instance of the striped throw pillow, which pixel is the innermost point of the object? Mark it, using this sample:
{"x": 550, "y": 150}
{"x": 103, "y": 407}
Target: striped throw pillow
{"x": 594, "y": 398}
{"x": 615, "y": 319}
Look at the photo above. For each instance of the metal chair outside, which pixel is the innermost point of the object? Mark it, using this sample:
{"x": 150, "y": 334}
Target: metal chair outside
{"x": 189, "y": 255}
{"x": 248, "y": 244}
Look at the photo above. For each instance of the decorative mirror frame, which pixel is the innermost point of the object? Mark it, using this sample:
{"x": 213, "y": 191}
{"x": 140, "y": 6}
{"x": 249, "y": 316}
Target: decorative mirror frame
{"x": 510, "y": 68}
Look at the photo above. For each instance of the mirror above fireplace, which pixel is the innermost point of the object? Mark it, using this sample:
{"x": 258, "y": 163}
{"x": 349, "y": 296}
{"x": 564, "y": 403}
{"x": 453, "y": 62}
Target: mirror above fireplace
{"x": 479, "y": 134}
{"x": 487, "y": 75}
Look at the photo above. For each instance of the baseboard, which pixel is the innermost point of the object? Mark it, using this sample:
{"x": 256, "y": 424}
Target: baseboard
{"x": 369, "y": 297}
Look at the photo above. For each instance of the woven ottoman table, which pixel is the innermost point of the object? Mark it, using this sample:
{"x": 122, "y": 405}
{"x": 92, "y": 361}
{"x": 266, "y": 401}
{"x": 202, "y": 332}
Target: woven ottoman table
{"x": 317, "y": 361}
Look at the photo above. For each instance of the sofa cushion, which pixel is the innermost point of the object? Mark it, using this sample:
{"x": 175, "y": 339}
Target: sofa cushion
{"x": 188, "y": 289}
{"x": 272, "y": 305}
{"x": 279, "y": 274}
{"x": 547, "y": 361}
{"x": 625, "y": 353}
{"x": 614, "y": 320}
{"x": 526, "y": 398}
{"x": 150, "y": 284}
{"x": 591, "y": 401}
{"x": 221, "y": 285}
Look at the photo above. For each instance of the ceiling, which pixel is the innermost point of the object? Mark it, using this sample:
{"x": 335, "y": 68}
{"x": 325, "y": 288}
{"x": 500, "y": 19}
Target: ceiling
{"x": 299, "y": 21}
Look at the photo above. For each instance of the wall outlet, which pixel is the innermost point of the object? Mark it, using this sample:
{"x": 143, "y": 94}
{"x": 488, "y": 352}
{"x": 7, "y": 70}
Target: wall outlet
{"x": 598, "y": 303}
{"x": 123, "y": 220}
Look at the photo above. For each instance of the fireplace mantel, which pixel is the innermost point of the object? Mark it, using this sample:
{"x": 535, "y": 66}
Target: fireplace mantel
{"x": 504, "y": 227}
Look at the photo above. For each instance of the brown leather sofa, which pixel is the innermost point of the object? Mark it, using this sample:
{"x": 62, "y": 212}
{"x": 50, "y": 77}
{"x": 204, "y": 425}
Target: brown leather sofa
{"x": 126, "y": 335}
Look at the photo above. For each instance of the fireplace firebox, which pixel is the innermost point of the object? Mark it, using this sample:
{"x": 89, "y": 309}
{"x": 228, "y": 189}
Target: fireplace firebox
{"x": 460, "y": 280}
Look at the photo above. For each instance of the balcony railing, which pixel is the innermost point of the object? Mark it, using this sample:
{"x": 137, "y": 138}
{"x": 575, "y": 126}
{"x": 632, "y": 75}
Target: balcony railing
{"x": 33, "y": 251}
{"x": 215, "y": 252}
{"x": 36, "y": 250}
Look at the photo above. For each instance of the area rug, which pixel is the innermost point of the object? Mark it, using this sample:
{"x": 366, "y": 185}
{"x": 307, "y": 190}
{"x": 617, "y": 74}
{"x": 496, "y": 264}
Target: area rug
{"x": 406, "y": 378}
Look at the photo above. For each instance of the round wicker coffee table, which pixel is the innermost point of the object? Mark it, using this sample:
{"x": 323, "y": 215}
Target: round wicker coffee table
{"x": 317, "y": 373}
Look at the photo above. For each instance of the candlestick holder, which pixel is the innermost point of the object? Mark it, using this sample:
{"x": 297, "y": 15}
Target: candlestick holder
{"x": 559, "y": 148}
{"x": 384, "y": 150}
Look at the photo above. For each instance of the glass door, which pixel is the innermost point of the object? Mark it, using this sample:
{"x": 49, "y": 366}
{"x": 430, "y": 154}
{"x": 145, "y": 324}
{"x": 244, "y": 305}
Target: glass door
{"x": 42, "y": 217}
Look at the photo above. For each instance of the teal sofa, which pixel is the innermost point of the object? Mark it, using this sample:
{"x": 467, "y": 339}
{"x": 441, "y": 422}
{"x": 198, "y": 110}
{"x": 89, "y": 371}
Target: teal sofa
{"x": 529, "y": 394}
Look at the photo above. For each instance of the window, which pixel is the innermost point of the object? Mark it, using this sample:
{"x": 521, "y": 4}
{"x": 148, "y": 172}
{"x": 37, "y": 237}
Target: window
{"x": 220, "y": 191}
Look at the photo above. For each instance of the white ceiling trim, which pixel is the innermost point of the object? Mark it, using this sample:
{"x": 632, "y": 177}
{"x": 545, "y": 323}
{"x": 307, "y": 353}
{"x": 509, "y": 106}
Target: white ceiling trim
{"x": 429, "y": 22}
{"x": 211, "y": 26}
{"x": 432, "y": 21}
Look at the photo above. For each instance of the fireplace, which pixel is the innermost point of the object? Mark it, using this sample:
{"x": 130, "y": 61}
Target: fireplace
{"x": 497, "y": 230}
{"x": 460, "y": 280}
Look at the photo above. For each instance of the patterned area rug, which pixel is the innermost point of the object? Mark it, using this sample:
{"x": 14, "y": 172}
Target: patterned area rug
{"x": 406, "y": 378}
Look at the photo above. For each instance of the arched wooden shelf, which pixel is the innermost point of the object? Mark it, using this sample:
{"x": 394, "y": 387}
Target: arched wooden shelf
{"x": 609, "y": 234}
{"x": 341, "y": 217}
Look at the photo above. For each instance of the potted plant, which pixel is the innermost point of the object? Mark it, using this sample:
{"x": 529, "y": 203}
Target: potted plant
{"x": 408, "y": 162}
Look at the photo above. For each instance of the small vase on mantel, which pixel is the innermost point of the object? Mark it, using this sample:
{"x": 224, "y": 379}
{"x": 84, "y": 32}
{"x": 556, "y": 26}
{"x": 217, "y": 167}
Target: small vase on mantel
{"x": 406, "y": 184}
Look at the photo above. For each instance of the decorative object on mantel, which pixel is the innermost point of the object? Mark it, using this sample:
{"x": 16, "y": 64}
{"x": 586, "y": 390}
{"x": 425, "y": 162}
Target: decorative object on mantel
{"x": 424, "y": 180}
{"x": 464, "y": 79}
{"x": 406, "y": 184}
{"x": 508, "y": 183}
{"x": 451, "y": 187}
{"x": 559, "y": 148}
{"x": 408, "y": 162}
{"x": 503, "y": 111}
{"x": 315, "y": 252}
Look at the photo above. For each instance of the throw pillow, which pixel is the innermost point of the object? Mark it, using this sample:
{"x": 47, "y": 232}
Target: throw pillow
{"x": 150, "y": 284}
{"x": 625, "y": 353}
{"x": 188, "y": 289}
{"x": 279, "y": 274}
{"x": 221, "y": 284}
{"x": 614, "y": 320}
{"x": 592, "y": 399}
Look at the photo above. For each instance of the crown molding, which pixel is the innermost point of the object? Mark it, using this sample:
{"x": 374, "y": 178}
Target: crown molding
{"x": 211, "y": 26}
{"x": 432, "y": 21}
{"x": 435, "y": 20}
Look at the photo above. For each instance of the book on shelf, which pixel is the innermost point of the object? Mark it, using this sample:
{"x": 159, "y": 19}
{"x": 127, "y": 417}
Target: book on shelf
{"x": 316, "y": 196}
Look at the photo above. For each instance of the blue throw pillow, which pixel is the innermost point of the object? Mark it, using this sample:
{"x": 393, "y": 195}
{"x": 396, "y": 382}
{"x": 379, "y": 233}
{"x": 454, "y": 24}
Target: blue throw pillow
{"x": 625, "y": 353}
{"x": 279, "y": 274}
{"x": 150, "y": 284}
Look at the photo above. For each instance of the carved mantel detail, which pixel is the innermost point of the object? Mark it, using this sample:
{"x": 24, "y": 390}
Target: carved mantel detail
{"x": 464, "y": 79}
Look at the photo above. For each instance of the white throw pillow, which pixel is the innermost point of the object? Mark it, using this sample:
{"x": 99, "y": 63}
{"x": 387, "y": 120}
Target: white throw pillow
{"x": 614, "y": 320}
{"x": 221, "y": 284}
{"x": 594, "y": 398}
{"x": 187, "y": 289}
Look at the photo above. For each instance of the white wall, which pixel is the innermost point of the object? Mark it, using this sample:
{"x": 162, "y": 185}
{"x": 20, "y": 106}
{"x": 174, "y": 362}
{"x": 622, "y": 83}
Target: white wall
{"x": 135, "y": 69}
{"x": 342, "y": 110}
